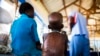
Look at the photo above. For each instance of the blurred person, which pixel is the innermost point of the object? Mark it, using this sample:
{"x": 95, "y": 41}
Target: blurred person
{"x": 79, "y": 44}
{"x": 55, "y": 42}
{"x": 25, "y": 40}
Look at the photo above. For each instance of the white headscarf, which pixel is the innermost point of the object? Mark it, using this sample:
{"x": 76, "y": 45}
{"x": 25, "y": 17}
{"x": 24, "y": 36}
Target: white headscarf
{"x": 80, "y": 26}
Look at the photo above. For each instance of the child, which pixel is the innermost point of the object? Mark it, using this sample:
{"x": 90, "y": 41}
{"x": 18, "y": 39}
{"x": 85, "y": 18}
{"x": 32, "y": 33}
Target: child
{"x": 55, "y": 42}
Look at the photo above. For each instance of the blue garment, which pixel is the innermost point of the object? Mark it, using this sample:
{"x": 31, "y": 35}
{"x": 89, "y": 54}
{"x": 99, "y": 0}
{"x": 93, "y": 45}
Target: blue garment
{"x": 22, "y": 1}
{"x": 79, "y": 46}
{"x": 24, "y": 36}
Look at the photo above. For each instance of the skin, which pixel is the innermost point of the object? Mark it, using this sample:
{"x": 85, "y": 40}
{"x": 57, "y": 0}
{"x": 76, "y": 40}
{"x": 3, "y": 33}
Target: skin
{"x": 30, "y": 13}
{"x": 54, "y": 43}
{"x": 71, "y": 23}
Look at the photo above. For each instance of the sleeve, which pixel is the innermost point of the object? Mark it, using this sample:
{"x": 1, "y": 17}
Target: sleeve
{"x": 34, "y": 32}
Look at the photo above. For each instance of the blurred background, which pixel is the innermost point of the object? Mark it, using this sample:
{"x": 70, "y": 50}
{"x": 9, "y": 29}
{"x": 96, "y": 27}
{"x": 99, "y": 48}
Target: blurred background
{"x": 89, "y": 8}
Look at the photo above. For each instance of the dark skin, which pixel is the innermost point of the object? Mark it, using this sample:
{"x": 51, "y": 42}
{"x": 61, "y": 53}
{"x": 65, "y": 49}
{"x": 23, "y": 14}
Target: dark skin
{"x": 72, "y": 22}
{"x": 30, "y": 13}
{"x": 55, "y": 18}
{"x": 55, "y": 22}
{"x": 55, "y": 43}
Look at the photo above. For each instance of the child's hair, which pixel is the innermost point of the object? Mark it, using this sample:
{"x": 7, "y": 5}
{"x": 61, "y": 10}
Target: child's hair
{"x": 56, "y": 23}
{"x": 25, "y": 7}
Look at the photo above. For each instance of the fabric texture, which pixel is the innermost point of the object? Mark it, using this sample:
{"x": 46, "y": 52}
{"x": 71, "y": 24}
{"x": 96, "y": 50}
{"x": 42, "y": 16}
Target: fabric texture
{"x": 24, "y": 36}
{"x": 80, "y": 26}
{"x": 79, "y": 44}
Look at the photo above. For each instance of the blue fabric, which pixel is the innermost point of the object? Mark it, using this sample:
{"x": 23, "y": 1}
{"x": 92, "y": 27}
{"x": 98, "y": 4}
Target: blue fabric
{"x": 24, "y": 36}
{"x": 22, "y": 1}
{"x": 79, "y": 46}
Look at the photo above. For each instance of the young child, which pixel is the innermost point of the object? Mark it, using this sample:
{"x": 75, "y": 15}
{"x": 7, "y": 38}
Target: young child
{"x": 25, "y": 40}
{"x": 55, "y": 42}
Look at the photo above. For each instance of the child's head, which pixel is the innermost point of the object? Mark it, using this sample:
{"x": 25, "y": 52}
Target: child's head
{"x": 55, "y": 21}
{"x": 27, "y": 9}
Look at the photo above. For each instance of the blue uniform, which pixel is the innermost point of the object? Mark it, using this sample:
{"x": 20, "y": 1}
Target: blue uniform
{"x": 24, "y": 37}
{"x": 79, "y": 46}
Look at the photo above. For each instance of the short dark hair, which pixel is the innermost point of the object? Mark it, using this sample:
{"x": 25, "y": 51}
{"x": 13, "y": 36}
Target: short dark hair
{"x": 56, "y": 25}
{"x": 25, "y": 7}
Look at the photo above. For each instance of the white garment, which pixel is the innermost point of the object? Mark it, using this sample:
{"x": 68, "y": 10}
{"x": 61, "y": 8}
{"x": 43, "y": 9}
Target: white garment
{"x": 80, "y": 26}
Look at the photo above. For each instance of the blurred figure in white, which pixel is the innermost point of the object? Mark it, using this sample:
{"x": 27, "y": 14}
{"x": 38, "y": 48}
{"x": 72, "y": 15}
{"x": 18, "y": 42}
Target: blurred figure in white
{"x": 79, "y": 44}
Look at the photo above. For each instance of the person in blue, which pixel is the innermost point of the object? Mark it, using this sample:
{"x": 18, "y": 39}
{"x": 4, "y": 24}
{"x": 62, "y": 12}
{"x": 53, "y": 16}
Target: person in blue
{"x": 25, "y": 40}
{"x": 79, "y": 44}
